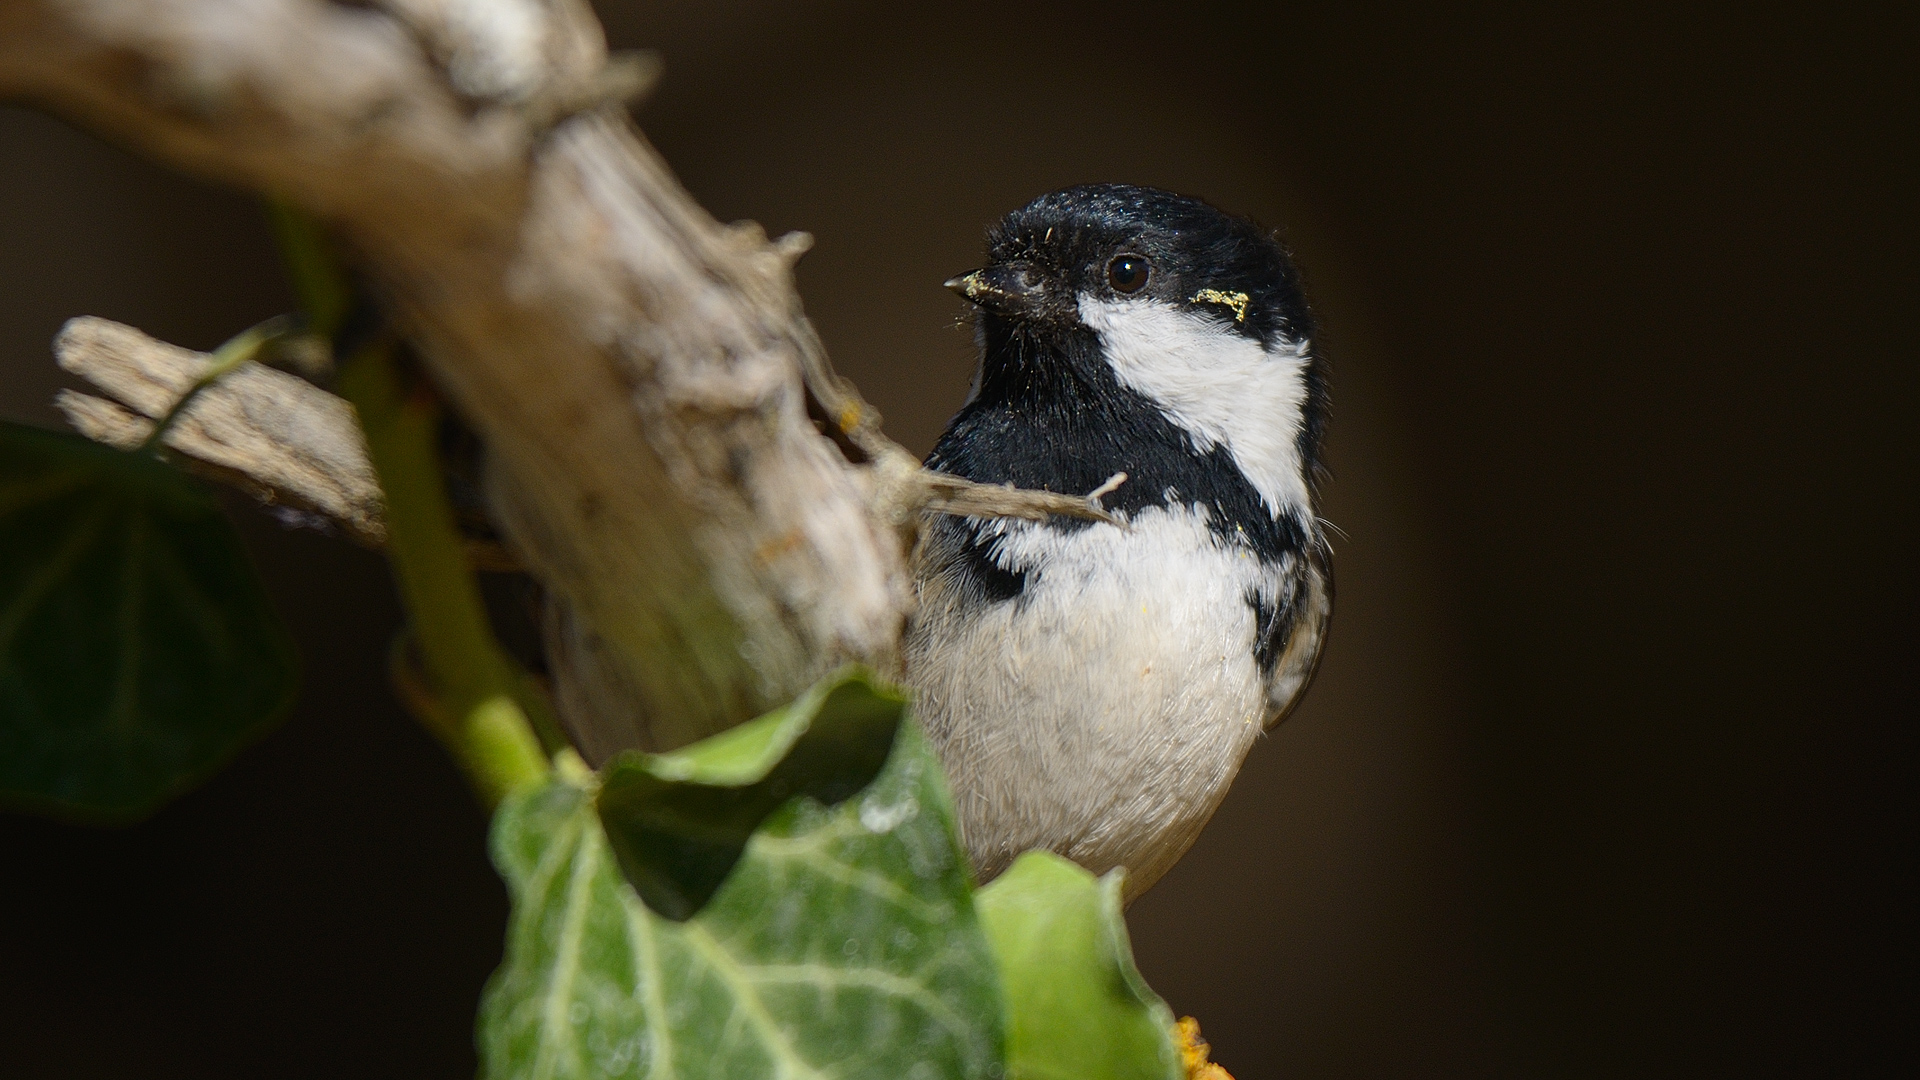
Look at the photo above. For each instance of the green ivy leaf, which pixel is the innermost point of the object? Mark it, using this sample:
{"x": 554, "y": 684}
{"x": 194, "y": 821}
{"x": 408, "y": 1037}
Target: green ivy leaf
{"x": 678, "y": 822}
{"x": 842, "y": 942}
{"x": 137, "y": 649}
{"x": 1077, "y": 1007}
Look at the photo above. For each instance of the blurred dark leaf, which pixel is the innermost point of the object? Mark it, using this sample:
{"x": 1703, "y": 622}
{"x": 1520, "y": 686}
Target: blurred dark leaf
{"x": 137, "y": 649}
{"x": 843, "y": 942}
{"x": 1077, "y": 1008}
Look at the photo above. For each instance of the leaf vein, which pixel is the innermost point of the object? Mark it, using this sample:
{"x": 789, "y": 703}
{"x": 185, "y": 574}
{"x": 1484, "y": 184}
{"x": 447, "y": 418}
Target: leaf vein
{"x": 778, "y": 1045}
{"x": 646, "y": 958}
{"x": 871, "y": 978}
{"x": 566, "y": 966}
{"x": 36, "y": 587}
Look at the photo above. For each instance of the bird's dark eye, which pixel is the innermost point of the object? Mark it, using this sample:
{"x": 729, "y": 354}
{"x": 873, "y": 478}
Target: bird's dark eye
{"x": 1129, "y": 273}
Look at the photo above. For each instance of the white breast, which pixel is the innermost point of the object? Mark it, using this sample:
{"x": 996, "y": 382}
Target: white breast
{"x": 1103, "y": 713}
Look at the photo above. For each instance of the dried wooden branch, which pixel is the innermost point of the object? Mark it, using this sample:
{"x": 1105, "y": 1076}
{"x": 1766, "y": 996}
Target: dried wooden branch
{"x": 629, "y": 363}
{"x": 276, "y": 436}
{"x": 291, "y": 444}
{"x": 638, "y": 372}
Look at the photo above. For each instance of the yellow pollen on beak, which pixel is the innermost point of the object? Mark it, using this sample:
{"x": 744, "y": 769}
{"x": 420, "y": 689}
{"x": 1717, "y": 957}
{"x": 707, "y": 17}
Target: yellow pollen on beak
{"x": 1238, "y": 301}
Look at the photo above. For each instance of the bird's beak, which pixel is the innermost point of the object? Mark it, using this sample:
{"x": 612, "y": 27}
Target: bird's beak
{"x": 1004, "y": 287}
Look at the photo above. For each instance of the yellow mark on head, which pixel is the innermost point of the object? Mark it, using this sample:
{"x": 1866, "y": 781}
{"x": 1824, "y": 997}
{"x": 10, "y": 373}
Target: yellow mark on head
{"x": 1238, "y": 301}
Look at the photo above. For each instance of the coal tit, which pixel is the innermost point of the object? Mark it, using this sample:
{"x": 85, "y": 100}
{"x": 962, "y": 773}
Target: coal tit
{"x": 1093, "y": 687}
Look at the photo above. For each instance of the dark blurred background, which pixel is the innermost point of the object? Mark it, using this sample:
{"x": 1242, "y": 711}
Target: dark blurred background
{"x": 1608, "y": 769}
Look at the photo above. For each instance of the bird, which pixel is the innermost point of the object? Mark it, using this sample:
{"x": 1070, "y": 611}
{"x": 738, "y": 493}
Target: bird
{"x": 1091, "y": 687}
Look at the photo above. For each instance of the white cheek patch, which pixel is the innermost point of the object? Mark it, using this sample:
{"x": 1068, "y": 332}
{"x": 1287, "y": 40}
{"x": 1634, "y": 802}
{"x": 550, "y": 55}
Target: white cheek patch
{"x": 1224, "y": 389}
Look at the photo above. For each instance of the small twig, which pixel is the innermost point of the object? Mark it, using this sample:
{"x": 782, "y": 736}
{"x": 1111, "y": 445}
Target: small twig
{"x": 904, "y": 491}
{"x": 905, "y": 488}
{"x": 625, "y": 79}
{"x": 1111, "y": 485}
{"x": 837, "y": 397}
{"x": 965, "y": 498}
{"x": 239, "y": 349}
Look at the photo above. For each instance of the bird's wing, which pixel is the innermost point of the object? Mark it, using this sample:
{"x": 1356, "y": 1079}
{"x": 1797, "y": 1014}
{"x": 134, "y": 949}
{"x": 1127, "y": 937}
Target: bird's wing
{"x": 1299, "y": 658}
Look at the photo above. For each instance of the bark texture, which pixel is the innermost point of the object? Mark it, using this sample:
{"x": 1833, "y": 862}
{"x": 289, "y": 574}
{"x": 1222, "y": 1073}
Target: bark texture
{"x": 633, "y": 366}
{"x": 641, "y": 375}
{"x": 276, "y": 436}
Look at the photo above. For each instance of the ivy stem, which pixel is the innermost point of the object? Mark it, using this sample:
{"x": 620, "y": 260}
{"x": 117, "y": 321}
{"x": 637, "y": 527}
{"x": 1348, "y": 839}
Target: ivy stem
{"x": 449, "y": 668}
{"x": 474, "y": 687}
{"x": 239, "y": 349}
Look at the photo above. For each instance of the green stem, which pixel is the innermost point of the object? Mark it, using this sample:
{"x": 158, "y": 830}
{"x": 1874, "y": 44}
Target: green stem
{"x": 480, "y": 700}
{"x": 239, "y": 349}
{"x": 324, "y": 289}
{"x": 475, "y": 683}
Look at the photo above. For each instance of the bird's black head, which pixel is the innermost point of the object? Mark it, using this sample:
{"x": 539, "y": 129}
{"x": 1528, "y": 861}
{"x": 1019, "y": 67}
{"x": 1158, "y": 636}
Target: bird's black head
{"x": 1119, "y": 242}
{"x": 1108, "y": 312}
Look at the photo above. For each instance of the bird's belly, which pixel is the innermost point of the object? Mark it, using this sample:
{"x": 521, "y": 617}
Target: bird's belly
{"x": 1104, "y": 711}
